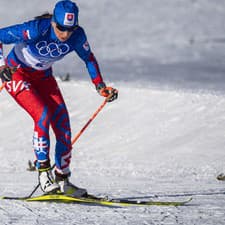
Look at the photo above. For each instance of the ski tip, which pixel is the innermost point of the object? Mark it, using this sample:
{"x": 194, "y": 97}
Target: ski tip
{"x": 6, "y": 197}
{"x": 12, "y": 198}
{"x": 190, "y": 199}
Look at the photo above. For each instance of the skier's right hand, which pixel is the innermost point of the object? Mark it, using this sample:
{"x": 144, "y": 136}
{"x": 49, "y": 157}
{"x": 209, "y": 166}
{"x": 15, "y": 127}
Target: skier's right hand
{"x": 6, "y": 73}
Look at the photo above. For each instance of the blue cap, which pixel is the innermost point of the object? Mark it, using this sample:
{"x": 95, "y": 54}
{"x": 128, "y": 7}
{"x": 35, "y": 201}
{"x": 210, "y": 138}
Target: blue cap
{"x": 66, "y": 13}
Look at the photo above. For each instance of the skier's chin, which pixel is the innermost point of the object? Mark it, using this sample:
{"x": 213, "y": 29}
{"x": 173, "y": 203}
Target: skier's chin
{"x": 63, "y": 39}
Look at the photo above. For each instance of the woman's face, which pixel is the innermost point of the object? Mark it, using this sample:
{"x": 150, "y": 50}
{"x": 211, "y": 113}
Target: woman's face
{"x": 61, "y": 35}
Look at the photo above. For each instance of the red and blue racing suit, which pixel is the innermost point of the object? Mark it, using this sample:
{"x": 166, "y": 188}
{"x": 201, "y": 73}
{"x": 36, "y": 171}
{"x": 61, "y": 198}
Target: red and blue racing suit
{"x": 35, "y": 89}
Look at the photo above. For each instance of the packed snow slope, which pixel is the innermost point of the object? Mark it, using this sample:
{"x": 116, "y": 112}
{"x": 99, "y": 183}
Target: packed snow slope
{"x": 163, "y": 136}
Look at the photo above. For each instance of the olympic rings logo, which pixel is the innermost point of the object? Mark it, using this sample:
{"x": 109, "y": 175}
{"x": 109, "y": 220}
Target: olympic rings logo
{"x": 52, "y": 49}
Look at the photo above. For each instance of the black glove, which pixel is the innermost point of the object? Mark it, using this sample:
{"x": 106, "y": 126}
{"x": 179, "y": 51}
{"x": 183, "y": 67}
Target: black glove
{"x": 6, "y": 74}
{"x": 112, "y": 94}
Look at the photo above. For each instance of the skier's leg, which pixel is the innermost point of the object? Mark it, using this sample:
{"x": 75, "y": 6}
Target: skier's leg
{"x": 60, "y": 123}
{"x": 61, "y": 127}
{"x": 23, "y": 91}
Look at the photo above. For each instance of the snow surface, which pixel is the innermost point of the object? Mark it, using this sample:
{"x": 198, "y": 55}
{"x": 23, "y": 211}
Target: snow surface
{"x": 165, "y": 135}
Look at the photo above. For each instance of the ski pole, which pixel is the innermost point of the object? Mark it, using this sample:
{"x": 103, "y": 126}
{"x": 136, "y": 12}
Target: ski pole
{"x": 89, "y": 121}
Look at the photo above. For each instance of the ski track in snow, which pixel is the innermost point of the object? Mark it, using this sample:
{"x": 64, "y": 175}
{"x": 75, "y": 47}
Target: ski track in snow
{"x": 166, "y": 145}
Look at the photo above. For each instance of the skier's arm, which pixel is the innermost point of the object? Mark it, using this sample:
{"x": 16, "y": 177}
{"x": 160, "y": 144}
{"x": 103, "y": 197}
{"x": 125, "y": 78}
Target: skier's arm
{"x": 19, "y": 33}
{"x": 15, "y": 34}
{"x": 24, "y": 32}
{"x": 91, "y": 63}
{"x": 9, "y": 35}
{"x": 95, "y": 74}
{"x": 82, "y": 48}
{"x": 85, "y": 53}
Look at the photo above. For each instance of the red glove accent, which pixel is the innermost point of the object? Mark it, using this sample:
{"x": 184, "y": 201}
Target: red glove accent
{"x": 109, "y": 92}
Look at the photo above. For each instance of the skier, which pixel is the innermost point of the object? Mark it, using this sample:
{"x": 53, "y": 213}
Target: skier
{"x": 27, "y": 73}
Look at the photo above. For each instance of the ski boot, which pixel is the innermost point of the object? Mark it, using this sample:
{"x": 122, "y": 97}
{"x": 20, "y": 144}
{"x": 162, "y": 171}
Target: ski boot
{"x": 46, "y": 180}
{"x": 68, "y": 188}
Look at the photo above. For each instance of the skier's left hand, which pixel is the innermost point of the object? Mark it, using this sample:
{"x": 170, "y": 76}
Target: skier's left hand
{"x": 6, "y": 73}
{"x": 110, "y": 93}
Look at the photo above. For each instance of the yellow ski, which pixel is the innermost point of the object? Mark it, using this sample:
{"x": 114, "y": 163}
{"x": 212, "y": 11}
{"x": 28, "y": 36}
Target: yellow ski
{"x": 92, "y": 200}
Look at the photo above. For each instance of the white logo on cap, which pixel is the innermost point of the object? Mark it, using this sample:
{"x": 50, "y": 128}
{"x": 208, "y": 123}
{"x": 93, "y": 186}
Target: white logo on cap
{"x": 69, "y": 19}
